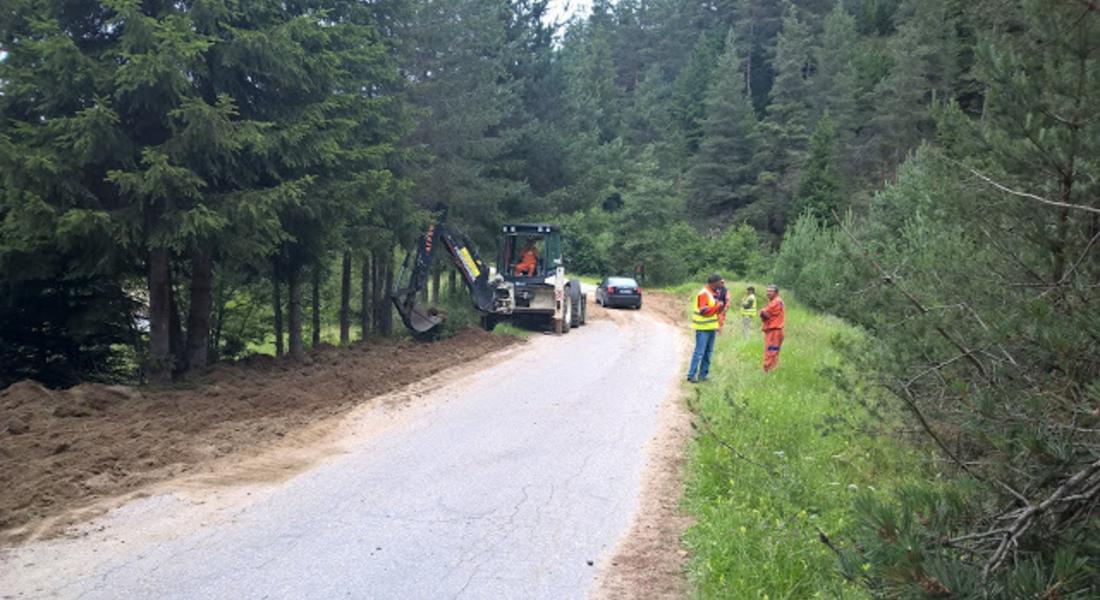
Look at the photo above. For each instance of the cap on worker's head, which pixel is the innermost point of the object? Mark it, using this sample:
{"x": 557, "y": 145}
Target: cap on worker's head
{"x": 714, "y": 278}
{"x": 773, "y": 287}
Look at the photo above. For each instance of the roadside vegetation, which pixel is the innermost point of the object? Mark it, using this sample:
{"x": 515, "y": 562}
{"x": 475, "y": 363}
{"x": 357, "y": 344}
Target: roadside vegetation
{"x": 781, "y": 459}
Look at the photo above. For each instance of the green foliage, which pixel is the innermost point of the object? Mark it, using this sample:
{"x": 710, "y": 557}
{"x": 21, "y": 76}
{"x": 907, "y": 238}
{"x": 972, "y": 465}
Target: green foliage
{"x": 782, "y": 459}
{"x": 588, "y": 241}
{"x": 65, "y": 331}
{"x": 819, "y": 190}
{"x": 688, "y": 106}
{"x": 203, "y": 130}
{"x": 925, "y": 70}
{"x": 738, "y": 252}
{"x": 724, "y": 170}
{"x": 836, "y": 73}
{"x": 785, "y": 129}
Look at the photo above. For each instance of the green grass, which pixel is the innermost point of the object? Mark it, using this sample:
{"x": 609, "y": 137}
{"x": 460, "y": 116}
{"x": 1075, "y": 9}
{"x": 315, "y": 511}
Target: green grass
{"x": 806, "y": 452}
{"x": 507, "y": 328}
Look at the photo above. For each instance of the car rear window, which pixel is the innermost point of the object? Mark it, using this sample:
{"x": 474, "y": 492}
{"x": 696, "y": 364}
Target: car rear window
{"x": 622, "y": 282}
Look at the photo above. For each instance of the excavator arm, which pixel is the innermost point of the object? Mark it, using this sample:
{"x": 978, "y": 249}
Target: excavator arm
{"x": 413, "y": 279}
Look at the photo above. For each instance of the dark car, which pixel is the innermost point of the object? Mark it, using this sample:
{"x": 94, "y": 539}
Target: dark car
{"x": 619, "y": 291}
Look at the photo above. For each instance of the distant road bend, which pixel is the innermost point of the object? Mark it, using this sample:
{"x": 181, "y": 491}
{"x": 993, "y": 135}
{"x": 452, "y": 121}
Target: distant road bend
{"x": 513, "y": 482}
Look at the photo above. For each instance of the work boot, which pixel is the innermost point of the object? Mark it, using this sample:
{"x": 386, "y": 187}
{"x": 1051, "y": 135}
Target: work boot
{"x": 693, "y": 380}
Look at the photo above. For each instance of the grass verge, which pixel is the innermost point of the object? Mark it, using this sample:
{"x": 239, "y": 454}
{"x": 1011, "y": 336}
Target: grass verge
{"x": 778, "y": 461}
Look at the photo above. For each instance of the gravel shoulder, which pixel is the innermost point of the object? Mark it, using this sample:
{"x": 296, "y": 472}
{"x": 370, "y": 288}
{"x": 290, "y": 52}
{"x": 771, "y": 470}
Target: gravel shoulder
{"x": 650, "y": 560}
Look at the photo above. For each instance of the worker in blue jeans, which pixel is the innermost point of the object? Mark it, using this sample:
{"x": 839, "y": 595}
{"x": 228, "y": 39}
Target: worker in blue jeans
{"x": 704, "y": 320}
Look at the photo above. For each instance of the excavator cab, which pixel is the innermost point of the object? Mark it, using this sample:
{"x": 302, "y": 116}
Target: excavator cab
{"x": 517, "y": 244}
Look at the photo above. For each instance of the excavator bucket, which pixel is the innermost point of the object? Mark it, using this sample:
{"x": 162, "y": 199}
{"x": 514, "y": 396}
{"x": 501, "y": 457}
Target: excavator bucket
{"x": 423, "y": 319}
{"x": 413, "y": 279}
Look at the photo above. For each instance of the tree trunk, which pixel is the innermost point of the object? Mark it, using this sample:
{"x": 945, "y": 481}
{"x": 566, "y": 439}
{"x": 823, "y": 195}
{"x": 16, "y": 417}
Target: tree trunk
{"x": 453, "y": 277}
{"x": 345, "y": 300}
{"x": 376, "y": 291}
{"x": 294, "y": 311}
{"x": 198, "y": 316}
{"x": 277, "y": 304}
{"x": 316, "y": 298}
{"x": 387, "y": 311}
{"x": 160, "y": 293}
{"x": 436, "y": 279}
{"x": 219, "y": 323}
{"x": 175, "y": 332}
{"x": 365, "y": 299}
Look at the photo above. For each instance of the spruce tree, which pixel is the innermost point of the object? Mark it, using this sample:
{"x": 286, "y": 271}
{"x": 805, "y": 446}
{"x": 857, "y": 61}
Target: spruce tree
{"x": 785, "y": 128}
{"x": 925, "y": 71}
{"x": 466, "y": 99}
{"x": 819, "y": 189}
{"x": 835, "y": 76}
{"x": 688, "y": 107}
{"x": 724, "y": 170}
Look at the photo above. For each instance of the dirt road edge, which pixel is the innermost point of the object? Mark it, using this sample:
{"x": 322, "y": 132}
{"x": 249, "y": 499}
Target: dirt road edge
{"x": 649, "y": 561}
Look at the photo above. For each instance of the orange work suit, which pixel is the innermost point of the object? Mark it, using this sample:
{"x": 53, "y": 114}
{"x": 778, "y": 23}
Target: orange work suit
{"x": 774, "y": 316}
{"x": 528, "y": 262}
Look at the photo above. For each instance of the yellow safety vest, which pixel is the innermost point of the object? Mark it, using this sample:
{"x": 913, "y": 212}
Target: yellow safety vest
{"x": 702, "y": 322}
{"x": 751, "y": 310}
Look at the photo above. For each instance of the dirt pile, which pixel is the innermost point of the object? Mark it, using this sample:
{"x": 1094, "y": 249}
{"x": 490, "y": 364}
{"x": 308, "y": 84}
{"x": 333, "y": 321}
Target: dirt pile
{"x": 66, "y": 449}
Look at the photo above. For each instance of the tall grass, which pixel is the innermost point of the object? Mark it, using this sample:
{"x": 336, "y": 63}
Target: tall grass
{"x": 777, "y": 462}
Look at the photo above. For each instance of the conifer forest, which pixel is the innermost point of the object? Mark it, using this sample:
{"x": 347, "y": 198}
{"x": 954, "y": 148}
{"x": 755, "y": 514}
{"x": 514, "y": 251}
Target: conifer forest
{"x": 188, "y": 182}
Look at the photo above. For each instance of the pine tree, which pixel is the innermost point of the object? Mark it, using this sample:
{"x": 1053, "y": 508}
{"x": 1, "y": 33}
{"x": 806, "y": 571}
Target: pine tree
{"x": 819, "y": 189}
{"x": 835, "y": 76}
{"x": 467, "y": 100}
{"x": 785, "y": 128}
{"x": 596, "y": 98}
{"x": 757, "y": 23}
{"x": 723, "y": 172}
{"x": 688, "y": 107}
{"x": 925, "y": 71}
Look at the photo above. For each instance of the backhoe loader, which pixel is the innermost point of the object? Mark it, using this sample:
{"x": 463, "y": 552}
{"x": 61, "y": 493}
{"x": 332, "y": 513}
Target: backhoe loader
{"x": 529, "y": 281}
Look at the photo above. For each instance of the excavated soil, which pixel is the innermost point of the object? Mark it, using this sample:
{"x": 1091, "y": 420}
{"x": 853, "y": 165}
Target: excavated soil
{"x": 68, "y": 449}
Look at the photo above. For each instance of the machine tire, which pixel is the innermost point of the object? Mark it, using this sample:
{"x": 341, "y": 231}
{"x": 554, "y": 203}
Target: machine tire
{"x": 574, "y": 312}
{"x": 567, "y": 318}
{"x": 584, "y": 309}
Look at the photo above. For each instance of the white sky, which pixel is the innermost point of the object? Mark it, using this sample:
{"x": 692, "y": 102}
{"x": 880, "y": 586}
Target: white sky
{"x": 561, "y": 10}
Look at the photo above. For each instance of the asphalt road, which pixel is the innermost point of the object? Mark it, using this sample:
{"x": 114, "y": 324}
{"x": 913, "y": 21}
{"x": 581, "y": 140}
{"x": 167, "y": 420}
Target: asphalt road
{"x": 515, "y": 481}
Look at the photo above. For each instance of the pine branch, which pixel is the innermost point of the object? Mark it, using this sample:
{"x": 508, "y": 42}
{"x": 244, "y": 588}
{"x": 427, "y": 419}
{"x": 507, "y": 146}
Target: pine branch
{"x": 1028, "y": 195}
{"x": 1027, "y": 516}
{"x": 892, "y": 281}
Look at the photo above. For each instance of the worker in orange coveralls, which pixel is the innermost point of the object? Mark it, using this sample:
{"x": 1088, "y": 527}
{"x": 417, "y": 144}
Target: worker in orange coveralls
{"x": 528, "y": 259}
{"x": 774, "y": 315}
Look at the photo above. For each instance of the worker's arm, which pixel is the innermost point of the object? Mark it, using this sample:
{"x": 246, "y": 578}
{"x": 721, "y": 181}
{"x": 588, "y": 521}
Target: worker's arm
{"x": 701, "y": 306}
{"x": 769, "y": 310}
